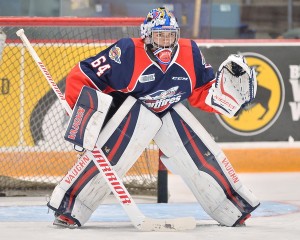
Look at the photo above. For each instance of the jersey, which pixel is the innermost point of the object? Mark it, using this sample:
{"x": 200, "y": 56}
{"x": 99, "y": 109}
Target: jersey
{"x": 126, "y": 67}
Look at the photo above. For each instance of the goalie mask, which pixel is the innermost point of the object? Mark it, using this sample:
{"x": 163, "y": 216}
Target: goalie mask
{"x": 160, "y": 30}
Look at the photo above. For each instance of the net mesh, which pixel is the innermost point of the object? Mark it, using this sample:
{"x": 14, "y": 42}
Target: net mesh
{"x": 33, "y": 154}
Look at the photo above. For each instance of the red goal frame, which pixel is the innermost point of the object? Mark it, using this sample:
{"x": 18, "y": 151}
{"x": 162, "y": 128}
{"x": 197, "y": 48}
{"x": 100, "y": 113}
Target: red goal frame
{"x": 70, "y": 21}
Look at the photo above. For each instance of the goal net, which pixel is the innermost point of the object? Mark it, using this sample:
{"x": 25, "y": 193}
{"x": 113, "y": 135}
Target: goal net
{"x": 33, "y": 154}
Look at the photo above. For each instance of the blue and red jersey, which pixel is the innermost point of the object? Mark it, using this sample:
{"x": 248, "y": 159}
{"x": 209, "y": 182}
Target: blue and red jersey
{"x": 126, "y": 67}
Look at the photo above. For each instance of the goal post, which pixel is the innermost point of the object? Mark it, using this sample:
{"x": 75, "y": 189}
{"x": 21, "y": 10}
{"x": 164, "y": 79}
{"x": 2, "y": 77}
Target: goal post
{"x": 33, "y": 152}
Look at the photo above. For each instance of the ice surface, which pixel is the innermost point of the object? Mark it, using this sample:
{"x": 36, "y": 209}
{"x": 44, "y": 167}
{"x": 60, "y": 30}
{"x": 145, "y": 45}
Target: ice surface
{"x": 277, "y": 218}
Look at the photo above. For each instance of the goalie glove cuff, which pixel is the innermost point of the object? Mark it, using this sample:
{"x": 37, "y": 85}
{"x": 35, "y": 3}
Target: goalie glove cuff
{"x": 224, "y": 104}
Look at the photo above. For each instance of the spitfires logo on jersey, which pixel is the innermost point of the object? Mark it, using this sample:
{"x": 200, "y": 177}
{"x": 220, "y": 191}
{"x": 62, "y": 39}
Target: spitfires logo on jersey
{"x": 115, "y": 54}
{"x": 162, "y": 99}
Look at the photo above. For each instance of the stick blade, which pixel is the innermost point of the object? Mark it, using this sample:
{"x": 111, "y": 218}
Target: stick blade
{"x": 167, "y": 225}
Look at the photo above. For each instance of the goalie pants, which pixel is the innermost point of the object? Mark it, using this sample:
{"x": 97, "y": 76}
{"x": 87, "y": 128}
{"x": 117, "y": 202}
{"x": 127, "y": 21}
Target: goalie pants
{"x": 188, "y": 150}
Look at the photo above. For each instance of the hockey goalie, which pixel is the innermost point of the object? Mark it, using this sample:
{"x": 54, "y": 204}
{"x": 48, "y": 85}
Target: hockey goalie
{"x": 131, "y": 93}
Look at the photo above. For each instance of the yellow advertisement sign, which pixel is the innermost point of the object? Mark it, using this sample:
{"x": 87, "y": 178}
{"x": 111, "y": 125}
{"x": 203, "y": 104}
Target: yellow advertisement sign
{"x": 23, "y": 85}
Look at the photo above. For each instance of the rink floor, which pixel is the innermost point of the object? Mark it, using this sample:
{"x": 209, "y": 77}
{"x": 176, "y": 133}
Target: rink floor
{"x": 278, "y": 217}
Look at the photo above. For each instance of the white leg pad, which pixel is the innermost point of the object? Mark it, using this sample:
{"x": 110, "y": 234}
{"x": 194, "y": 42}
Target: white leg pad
{"x": 191, "y": 152}
{"x": 82, "y": 190}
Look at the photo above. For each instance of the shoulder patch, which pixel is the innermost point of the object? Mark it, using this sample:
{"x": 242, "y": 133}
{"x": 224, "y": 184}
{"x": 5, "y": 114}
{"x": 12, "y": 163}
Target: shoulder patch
{"x": 147, "y": 78}
{"x": 115, "y": 54}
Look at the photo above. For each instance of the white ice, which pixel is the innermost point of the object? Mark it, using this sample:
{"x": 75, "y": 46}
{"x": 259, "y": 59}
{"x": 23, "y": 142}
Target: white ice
{"x": 276, "y": 187}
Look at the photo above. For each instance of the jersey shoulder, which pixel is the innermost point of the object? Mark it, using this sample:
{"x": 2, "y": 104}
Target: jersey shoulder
{"x": 127, "y": 48}
{"x": 125, "y": 43}
{"x": 184, "y": 42}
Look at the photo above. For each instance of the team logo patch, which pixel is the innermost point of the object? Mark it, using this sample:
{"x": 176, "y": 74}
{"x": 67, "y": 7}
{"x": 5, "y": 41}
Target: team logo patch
{"x": 147, "y": 78}
{"x": 115, "y": 54}
{"x": 162, "y": 99}
{"x": 265, "y": 109}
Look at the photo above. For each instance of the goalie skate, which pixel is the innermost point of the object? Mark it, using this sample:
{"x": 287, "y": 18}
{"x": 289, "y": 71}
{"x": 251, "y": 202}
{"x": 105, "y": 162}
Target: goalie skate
{"x": 63, "y": 221}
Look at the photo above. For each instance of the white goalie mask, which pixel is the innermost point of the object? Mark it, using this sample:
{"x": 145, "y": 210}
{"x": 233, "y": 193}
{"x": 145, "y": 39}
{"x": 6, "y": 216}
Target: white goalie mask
{"x": 160, "y": 29}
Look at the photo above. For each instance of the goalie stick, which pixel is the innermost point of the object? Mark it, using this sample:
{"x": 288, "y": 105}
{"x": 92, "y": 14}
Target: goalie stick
{"x": 139, "y": 220}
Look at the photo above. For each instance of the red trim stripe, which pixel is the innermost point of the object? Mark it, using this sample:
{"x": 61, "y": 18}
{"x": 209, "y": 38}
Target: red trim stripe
{"x": 185, "y": 53}
{"x": 70, "y": 21}
{"x": 142, "y": 62}
{"x": 210, "y": 167}
{"x": 80, "y": 183}
{"x": 223, "y": 90}
{"x": 88, "y": 114}
{"x": 120, "y": 139}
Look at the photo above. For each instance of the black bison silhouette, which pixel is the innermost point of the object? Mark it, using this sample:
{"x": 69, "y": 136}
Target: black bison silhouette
{"x": 263, "y": 96}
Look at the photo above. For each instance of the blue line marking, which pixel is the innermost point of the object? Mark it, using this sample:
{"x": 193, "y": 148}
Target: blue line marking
{"x": 115, "y": 213}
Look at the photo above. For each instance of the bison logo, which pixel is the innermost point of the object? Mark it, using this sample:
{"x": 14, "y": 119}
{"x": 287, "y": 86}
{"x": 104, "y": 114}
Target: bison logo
{"x": 268, "y": 103}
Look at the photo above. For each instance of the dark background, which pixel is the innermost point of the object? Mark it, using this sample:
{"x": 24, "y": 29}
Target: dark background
{"x": 282, "y": 57}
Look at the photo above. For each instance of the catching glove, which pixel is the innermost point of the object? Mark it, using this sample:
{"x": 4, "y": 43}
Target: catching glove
{"x": 235, "y": 86}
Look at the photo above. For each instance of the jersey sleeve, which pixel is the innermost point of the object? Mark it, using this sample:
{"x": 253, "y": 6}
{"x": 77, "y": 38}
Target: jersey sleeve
{"x": 110, "y": 70}
{"x": 198, "y": 96}
{"x": 204, "y": 71}
{"x": 75, "y": 80}
{"x": 205, "y": 77}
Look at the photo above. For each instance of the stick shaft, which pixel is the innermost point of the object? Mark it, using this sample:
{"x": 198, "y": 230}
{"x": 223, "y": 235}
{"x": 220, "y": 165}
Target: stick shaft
{"x": 100, "y": 160}
{"x": 44, "y": 70}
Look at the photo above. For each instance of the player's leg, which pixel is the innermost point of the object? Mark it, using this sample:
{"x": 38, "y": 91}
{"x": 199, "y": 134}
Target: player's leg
{"x": 123, "y": 138}
{"x": 191, "y": 152}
